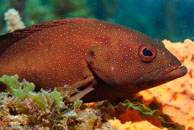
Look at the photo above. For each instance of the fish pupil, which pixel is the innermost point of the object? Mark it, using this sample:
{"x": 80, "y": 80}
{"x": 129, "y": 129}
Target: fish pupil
{"x": 147, "y": 52}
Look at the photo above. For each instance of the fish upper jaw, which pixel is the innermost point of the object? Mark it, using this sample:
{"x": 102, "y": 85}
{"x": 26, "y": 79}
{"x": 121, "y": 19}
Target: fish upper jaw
{"x": 173, "y": 74}
{"x": 162, "y": 77}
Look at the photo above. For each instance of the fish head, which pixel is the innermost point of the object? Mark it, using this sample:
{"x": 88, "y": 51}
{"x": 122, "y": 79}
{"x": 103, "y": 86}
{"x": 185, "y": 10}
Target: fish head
{"x": 134, "y": 66}
{"x": 158, "y": 65}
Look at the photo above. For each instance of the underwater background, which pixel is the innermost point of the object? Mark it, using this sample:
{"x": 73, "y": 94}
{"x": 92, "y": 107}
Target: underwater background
{"x": 163, "y": 19}
{"x": 166, "y": 107}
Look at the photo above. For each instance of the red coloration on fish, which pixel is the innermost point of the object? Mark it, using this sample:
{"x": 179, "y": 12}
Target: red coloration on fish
{"x": 121, "y": 60}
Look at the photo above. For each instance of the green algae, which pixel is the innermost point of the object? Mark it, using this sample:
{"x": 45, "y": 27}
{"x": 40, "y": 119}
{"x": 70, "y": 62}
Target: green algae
{"x": 15, "y": 88}
{"x": 23, "y": 108}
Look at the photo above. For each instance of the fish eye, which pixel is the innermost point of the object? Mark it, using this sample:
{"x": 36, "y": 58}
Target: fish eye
{"x": 147, "y": 53}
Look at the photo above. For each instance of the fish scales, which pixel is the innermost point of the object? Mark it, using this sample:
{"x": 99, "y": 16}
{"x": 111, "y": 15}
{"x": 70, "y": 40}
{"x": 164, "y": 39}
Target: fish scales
{"x": 68, "y": 51}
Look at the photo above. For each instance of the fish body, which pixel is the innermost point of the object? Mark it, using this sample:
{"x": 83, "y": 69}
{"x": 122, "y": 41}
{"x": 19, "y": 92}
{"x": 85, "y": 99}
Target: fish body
{"x": 123, "y": 61}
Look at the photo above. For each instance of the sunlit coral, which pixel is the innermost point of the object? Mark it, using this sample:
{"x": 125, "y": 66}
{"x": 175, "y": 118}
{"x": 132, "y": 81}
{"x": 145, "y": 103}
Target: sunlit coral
{"x": 13, "y": 20}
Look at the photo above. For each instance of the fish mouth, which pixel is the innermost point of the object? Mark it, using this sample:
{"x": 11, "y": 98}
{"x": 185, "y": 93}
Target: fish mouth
{"x": 173, "y": 74}
{"x": 163, "y": 77}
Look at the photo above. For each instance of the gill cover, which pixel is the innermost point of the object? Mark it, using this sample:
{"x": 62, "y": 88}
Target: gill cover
{"x": 102, "y": 61}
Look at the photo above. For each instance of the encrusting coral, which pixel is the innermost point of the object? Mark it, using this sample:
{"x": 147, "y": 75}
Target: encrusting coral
{"x": 13, "y": 20}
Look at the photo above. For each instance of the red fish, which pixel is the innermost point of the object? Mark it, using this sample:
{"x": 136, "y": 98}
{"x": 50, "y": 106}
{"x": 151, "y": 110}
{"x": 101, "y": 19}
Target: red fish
{"x": 105, "y": 60}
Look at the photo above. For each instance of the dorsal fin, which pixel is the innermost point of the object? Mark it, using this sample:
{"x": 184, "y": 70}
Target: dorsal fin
{"x": 8, "y": 39}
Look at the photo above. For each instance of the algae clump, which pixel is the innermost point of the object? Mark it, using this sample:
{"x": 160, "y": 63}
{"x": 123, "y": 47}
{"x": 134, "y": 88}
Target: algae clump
{"x": 23, "y": 108}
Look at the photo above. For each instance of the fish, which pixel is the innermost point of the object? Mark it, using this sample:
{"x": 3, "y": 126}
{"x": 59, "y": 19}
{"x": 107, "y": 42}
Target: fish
{"x": 104, "y": 60}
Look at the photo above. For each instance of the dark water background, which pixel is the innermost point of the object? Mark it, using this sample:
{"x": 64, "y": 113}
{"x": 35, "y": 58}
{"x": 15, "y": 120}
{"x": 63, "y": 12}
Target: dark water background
{"x": 163, "y": 19}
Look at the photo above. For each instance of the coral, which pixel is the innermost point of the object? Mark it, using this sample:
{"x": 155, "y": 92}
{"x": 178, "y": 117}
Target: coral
{"x": 13, "y": 20}
{"x": 22, "y": 108}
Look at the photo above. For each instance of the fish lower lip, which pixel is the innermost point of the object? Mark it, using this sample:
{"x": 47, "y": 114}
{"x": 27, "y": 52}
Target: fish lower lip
{"x": 175, "y": 73}
{"x": 161, "y": 78}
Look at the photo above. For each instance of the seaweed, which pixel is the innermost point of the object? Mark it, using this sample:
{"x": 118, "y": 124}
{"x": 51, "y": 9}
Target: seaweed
{"x": 135, "y": 112}
{"x": 23, "y": 108}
